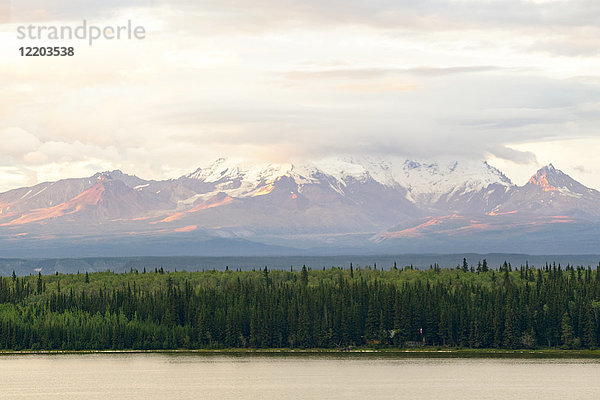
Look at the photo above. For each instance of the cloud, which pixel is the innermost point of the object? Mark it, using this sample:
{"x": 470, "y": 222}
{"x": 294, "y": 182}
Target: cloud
{"x": 280, "y": 80}
{"x": 14, "y": 177}
{"x": 4, "y": 11}
{"x": 380, "y": 14}
{"x": 370, "y": 73}
{"x": 516, "y": 156}
{"x": 570, "y": 155}
{"x": 32, "y": 11}
{"x": 436, "y": 14}
{"x": 16, "y": 142}
{"x": 461, "y": 118}
{"x": 577, "y": 42}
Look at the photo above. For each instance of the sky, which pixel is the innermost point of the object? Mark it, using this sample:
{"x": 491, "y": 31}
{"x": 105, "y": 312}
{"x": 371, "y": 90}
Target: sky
{"x": 513, "y": 82}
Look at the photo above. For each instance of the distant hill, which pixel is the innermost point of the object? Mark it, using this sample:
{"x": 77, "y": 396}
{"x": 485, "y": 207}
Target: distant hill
{"x": 46, "y": 266}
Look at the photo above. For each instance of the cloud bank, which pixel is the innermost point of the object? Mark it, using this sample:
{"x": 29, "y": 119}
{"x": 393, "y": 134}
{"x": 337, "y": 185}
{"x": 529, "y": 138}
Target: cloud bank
{"x": 508, "y": 81}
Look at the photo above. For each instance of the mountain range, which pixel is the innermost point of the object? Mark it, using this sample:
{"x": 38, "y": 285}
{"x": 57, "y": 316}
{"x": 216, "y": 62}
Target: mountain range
{"x": 331, "y": 206}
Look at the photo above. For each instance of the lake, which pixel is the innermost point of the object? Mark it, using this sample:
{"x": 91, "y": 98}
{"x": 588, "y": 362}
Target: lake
{"x": 201, "y": 376}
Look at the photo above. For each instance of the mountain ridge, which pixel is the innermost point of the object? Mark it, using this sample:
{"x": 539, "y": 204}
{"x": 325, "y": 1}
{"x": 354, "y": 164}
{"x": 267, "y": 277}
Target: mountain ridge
{"x": 345, "y": 202}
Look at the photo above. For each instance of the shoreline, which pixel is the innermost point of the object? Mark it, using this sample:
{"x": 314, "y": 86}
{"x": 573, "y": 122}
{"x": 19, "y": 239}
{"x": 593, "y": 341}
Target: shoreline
{"x": 359, "y": 352}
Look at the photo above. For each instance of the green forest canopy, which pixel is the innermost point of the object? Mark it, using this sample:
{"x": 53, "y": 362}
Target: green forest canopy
{"x": 467, "y": 307}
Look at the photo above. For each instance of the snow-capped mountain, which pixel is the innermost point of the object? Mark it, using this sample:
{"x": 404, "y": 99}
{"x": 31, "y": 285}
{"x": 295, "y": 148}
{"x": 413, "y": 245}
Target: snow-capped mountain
{"x": 552, "y": 192}
{"x": 424, "y": 182}
{"x": 337, "y": 202}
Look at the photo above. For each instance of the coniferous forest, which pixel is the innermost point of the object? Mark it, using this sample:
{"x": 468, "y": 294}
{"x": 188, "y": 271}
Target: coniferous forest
{"x": 465, "y": 307}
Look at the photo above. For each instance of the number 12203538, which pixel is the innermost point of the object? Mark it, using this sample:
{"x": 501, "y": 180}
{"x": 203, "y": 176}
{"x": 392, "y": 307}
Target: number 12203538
{"x": 47, "y": 51}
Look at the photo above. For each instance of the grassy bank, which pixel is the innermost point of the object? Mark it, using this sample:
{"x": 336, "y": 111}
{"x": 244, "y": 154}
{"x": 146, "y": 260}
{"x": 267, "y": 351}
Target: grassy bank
{"x": 427, "y": 352}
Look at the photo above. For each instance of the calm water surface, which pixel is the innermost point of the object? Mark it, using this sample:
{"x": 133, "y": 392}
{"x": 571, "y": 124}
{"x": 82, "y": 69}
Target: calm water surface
{"x": 192, "y": 376}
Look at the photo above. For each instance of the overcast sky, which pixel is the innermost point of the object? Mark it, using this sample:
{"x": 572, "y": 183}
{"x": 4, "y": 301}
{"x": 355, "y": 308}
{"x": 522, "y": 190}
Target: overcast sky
{"x": 513, "y": 82}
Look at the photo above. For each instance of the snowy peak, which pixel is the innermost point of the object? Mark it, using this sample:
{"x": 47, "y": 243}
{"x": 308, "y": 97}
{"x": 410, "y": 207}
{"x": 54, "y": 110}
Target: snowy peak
{"x": 422, "y": 181}
{"x": 551, "y": 192}
{"x": 236, "y": 178}
{"x": 220, "y": 169}
{"x": 495, "y": 171}
{"x": 550, "y": 179}
{"x": 347, "y": 169}
{"x": 228, "y": 170}
{"x": 455, "y": 173}
{"x": 545, "y": 178}
{"x": 431, "y": 181}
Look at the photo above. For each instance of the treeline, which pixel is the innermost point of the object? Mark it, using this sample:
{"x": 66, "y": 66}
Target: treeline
{"x": 468, "y": 307}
